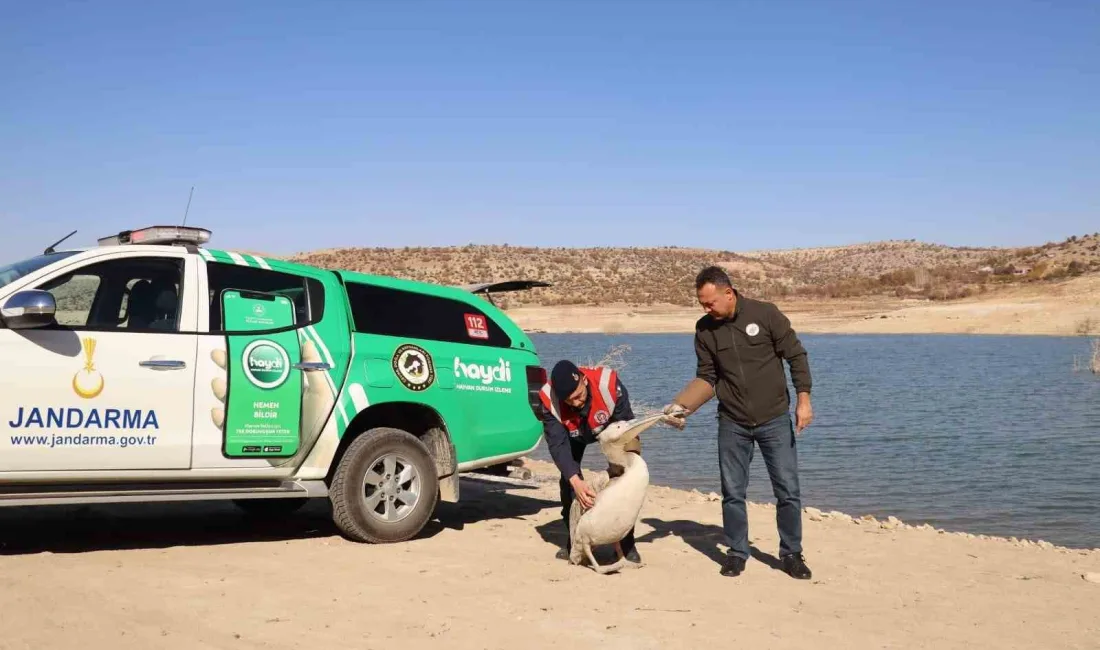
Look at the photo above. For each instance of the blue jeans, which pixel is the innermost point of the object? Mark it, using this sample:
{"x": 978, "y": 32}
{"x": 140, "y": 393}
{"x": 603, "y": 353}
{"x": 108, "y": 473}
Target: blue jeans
{"x": 735, "y": 450}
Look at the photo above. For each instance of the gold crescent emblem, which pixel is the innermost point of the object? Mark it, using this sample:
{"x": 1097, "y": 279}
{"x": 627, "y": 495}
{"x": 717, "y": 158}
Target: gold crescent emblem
{"x": 87, "y": 382}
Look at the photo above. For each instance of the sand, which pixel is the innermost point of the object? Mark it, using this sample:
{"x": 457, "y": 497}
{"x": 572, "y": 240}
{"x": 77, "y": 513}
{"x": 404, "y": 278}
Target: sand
{"x": 483, "y": 575}
{"x": 1057, "y": 309}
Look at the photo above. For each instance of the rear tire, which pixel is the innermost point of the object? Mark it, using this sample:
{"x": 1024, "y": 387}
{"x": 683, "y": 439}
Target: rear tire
{"x": 385, "y": 488}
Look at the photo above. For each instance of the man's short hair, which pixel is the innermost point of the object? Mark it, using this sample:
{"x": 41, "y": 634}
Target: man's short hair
{"x": 713, "y": 275}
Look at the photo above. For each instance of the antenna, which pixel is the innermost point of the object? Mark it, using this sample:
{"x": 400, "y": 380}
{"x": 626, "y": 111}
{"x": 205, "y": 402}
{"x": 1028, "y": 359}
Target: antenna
{"x": 51, "y": 247}
{"x": 188, "y": 208}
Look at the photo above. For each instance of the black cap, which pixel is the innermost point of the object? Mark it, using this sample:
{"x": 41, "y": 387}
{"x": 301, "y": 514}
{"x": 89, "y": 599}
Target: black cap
{"x": 564, "y": 378}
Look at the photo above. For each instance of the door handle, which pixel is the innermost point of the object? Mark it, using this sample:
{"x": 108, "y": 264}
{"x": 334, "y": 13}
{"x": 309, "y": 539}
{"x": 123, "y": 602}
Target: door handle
{"x": 162, "y": 364}
{"x": 312, "y": 366}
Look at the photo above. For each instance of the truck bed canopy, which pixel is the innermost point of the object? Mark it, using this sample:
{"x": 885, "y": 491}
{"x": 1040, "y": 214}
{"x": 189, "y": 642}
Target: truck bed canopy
{"x": 488, "y": 288}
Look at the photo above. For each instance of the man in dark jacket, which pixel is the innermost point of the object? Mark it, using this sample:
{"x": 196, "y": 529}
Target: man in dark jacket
{"x": 740, "y": 345}
{"x": 577, "y": 404}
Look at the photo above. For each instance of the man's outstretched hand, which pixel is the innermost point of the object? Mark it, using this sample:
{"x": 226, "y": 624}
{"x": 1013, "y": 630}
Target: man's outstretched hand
{"x": 675, "y": 415}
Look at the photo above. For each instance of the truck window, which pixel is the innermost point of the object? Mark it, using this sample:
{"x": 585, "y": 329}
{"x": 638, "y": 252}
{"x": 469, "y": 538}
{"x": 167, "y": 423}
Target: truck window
{"x": 308, "y": 294}
{"x": 11, "y": 272}
{"x": 74, "y": 294}
{"x": 133, "y": 293}
{"x": 407, "y": 314}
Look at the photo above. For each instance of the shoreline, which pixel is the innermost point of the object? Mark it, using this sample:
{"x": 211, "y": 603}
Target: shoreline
{"x": 1064, "y": 309}
{"x": 899, "y": 321}
{"x": 544, "y": 470}
{"x": 654, "y": 332}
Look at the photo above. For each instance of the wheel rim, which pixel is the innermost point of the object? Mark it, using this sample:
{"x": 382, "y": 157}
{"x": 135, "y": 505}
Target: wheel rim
{"x": 391, "y": 488}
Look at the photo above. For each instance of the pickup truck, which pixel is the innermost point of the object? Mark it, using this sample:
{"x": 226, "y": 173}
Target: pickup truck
{"x": 151, "y": 368}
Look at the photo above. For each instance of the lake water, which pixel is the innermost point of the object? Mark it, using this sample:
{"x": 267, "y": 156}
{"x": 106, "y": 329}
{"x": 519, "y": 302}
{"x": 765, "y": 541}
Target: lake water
{"x": 983, "y": 434}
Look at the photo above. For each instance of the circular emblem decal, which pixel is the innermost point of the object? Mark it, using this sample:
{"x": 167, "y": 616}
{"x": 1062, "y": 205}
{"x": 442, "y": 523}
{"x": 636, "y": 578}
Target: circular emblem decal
{"x": 601, "y": 416}
{"x": 753, "y": 329}
{"x": 266, "y": 364}
{"x": 413, "y": 366}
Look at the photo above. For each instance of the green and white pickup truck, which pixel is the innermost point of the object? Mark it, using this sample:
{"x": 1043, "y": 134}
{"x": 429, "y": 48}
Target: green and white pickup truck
{"x": 150, "y": 368}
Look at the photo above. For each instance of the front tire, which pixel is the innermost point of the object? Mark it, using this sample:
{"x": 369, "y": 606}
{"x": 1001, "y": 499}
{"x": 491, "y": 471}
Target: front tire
{"x": 385, "y": 488}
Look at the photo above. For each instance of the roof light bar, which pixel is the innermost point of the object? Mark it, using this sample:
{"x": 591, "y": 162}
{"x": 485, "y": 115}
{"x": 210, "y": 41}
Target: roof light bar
{"x": 159, "y": 235}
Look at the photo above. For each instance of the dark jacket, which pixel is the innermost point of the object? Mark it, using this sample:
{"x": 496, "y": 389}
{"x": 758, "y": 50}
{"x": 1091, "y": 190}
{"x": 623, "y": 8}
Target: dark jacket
{"x": 741, "y": 357}
{"x": 557, "y": 436}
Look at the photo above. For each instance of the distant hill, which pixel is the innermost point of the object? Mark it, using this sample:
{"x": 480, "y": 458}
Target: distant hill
{"x": 664, "y": 275}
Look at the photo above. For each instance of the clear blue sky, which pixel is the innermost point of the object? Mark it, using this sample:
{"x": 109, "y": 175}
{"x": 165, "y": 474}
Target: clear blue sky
{"x": 730, "y": 124}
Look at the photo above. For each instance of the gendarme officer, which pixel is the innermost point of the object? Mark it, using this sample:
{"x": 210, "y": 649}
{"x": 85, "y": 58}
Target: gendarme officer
{"x": 578, "y": 402}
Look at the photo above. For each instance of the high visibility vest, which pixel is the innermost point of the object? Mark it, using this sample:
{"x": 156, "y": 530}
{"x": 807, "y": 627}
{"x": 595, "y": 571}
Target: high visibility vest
{"x": 602, "y": 390}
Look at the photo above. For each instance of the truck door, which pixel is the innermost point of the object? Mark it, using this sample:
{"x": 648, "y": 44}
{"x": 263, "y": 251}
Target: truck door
{"x": 264, "y": 386}
{"x": 110, "y": 385}
{"x": 270, "y": 363}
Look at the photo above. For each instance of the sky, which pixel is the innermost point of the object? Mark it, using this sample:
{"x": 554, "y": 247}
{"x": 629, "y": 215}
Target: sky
{"x": 726, "y": 124}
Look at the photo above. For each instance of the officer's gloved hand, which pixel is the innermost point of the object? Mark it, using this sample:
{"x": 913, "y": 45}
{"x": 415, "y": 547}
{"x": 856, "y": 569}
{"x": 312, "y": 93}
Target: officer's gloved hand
{"x": 675, "y": 415}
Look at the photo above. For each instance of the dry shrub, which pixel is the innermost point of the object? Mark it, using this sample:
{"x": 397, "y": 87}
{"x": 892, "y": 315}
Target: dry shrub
{"x": 664, "y": 275}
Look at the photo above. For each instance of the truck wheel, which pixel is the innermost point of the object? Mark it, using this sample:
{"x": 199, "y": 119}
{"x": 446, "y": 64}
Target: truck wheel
{"x": 270, "y": 507}
{"x": 385, "y": 488}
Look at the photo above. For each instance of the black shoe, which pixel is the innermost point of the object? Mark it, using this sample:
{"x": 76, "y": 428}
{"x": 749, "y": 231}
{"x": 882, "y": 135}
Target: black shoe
{"x": 733, "y": 566}
{"x": 795, "y": 566}
{"x": 632, "y": 556}
{"x": 563, "y": 554}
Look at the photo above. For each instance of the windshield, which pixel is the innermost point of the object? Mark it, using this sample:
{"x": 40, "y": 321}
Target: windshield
{"x": 12, "y": 272}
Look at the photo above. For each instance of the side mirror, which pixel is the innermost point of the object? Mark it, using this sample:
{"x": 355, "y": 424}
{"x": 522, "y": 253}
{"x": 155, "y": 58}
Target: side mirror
{"x": 29, "y": 309}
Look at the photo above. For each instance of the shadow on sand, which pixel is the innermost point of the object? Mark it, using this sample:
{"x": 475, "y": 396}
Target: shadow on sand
{"x": 701, "y": 537}
{"x": 82, "y": 529}
{"x": 480, "y": 502}
{"x": 554, "y": 533}
{"x": 704, "y": 538}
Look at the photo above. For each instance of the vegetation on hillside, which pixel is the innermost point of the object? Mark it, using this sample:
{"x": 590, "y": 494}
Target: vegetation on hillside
{"x": 664, "y": 275}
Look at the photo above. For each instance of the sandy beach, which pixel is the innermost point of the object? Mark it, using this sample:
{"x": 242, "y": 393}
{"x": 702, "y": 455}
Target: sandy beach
{"x": 483, "y": 575}
{"x": 1056, "y": 309}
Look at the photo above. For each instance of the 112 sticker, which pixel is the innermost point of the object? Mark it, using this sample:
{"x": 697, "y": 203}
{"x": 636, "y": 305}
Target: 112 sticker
{"x": 477, "y": 327}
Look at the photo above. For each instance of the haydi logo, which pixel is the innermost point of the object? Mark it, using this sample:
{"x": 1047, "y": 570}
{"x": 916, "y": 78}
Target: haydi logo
{"x": 266, "y": 364}
{"x": 486, "y": 374}
{"x": 259, "y": 364}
